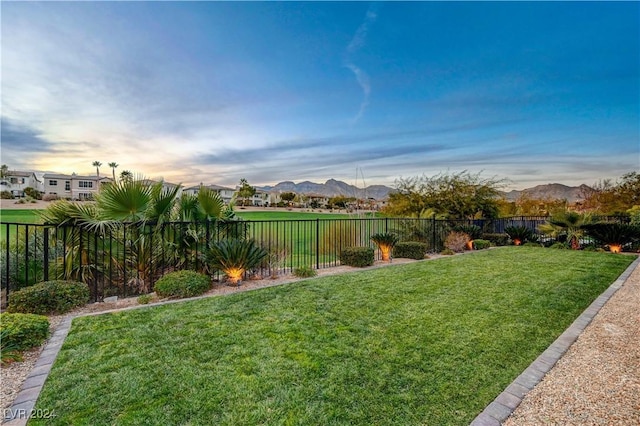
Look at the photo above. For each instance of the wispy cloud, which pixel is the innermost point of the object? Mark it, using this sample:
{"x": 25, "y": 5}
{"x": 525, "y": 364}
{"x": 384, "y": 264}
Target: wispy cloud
{"x": 356, "y": 44}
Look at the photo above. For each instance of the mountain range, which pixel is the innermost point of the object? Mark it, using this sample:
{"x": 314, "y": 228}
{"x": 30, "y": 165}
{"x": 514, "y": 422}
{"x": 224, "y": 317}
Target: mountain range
{"x": 333, "y": 188}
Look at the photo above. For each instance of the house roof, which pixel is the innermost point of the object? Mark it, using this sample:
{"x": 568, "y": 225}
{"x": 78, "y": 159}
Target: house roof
{"x": 15, "y": 173}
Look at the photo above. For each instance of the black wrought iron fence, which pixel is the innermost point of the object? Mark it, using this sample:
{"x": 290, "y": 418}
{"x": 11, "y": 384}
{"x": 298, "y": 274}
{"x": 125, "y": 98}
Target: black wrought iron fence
{"x": 127, "y": 259}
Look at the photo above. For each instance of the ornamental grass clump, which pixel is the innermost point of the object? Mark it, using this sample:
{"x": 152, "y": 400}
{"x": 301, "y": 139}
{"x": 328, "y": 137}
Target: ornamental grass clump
{"x": 234, "y": 257}
{"x": 457, "y": 241}
{"x": 385, "y": 243}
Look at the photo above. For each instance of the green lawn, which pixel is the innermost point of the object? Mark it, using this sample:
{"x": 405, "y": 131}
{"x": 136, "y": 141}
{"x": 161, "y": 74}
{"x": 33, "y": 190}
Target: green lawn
{"x": 291, "y": 215}
{"x": 20, "y": 216}
{"x": 425, "y": 343}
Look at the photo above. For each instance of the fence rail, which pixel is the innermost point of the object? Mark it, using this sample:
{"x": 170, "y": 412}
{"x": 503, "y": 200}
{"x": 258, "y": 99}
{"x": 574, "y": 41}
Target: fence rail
{"x": 127, "y": 259}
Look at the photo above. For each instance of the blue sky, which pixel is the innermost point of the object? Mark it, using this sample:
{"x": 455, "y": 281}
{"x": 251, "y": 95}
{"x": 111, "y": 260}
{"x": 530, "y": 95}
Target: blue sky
{"x": 214, "y": 91}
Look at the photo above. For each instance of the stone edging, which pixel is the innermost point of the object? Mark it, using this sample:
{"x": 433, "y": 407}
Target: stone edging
{"x": 506, "y": 403}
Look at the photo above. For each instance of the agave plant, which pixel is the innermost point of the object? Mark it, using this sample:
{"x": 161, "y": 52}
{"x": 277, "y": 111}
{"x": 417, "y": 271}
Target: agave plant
{"x": 519, "y": 234}
{"x": 234, "y": 257}
{"x": 385, "y": 243}
{"x": 614, "y": 235}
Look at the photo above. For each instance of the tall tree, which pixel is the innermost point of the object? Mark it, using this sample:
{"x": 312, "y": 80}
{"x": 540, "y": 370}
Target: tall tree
{"x": 4, "y": 169}
{"x": 97, "y": 165}
{"x": 245, "y": 191}
{"x": 126, "y": 175}
{"x": 458, "y": 196}
{"x": 113, "y": 166}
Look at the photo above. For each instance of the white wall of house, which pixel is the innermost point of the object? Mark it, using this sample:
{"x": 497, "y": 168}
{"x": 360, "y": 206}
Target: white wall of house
{"x": 74, "y": 187}
{"x": 16, "y": 182}
{"x": 225, "y": 193}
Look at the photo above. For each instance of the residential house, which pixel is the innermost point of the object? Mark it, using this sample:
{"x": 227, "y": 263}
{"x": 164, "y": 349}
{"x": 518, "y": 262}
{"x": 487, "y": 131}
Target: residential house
{"x": 73, "y": 186}
{"x": 165, "y": 185}
{"x": 225, "y": 193}
{"x": 16, "y": 182}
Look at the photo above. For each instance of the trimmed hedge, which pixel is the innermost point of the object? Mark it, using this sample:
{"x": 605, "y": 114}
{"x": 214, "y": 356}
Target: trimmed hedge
{"x": 481, "y": 244}
{"x": 497, "y": 239}
{"x": 182, "y": 284}
{"x": 49, "y": 297}
{"x": 23, "y": 331}
{"x": 410, "y": 250}
{"x": 357, "y": 256}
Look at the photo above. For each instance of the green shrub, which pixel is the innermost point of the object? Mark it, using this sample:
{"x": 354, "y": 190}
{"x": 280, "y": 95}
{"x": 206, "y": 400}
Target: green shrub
{"x": 145, "y": 299}
{"x": 9, "y": 351}
{"x": 49, "y": 297}
{"x": 182, "y": 284}
{"x": 410, "y": 250}
{"x": 304, "y": 272}
{"x": 447, "y": 252}
{"x": 480, "y": 244}
{"x": 357, "y": 256}
{"x": 23, "y": 331}
{"x": 6, "y": 195}
{"x": 559, "y": 246}
{"x": 497, "y": 239}
{"x": 532, "y": 244}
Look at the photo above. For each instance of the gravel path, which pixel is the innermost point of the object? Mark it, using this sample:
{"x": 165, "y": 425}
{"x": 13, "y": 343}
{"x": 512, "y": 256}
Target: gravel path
{"x": 597, "y": 382}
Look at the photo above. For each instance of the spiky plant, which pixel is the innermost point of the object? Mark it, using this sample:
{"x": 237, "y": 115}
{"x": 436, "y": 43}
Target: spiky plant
{"x": 568, "y": 225}
{"x": 519, "y": 234}
{"x": 614, "y": 235}
{"x": 234, "y": 257}
{"x": 385, "y": 243}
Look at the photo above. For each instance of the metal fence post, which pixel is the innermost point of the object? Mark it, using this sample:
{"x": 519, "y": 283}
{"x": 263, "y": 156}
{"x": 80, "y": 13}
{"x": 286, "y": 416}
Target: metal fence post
{"x": 46, "y": 253}
{"x": 317, "y": 243}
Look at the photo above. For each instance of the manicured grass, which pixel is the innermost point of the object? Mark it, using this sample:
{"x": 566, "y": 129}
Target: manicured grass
{"x": 426, "y": 343}
{"x": 290, "y": 215}
{"x": 20, "y": 216}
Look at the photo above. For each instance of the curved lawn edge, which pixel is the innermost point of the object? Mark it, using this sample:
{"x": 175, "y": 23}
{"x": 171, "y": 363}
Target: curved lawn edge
{"x": 505, "y": 404}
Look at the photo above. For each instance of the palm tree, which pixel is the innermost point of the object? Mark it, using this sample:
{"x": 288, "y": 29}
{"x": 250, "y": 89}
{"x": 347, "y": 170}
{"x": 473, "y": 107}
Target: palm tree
{"x": 126, "y": 175}
{"x": 97, "y": 165}
{"x": 385, "y": 243}
{"x": 567, "y": 225}
{"x": 113, "y": 166}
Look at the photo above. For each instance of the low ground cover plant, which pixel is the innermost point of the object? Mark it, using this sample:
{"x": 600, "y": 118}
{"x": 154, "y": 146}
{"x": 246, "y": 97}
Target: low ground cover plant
{"x": 420, "y": 343}
{"x": 22, "y": 331}
{"x": 410, "y": 250}
{"x": 480, "y": 244}
{"x": 182, "y": 284}
{"x": 49, "y": 297}
{"x": 357, "y": 256}
{"x": 304, "y": 272}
